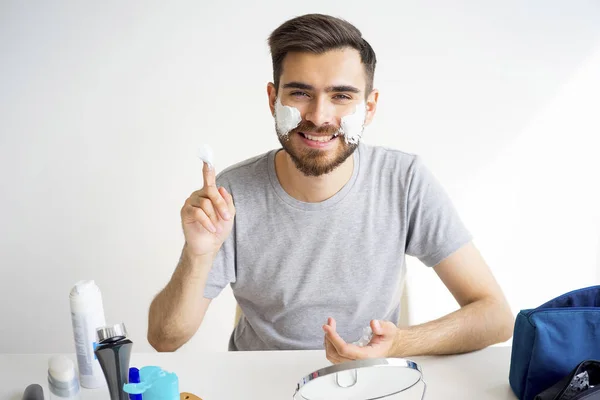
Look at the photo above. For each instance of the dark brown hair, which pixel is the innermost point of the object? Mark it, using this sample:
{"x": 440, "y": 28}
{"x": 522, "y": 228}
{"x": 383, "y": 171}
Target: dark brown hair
{"x": 318, "y": 33}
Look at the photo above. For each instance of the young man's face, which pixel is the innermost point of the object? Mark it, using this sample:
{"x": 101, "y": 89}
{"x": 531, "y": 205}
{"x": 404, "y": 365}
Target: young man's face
{"x": 325, "y": 88}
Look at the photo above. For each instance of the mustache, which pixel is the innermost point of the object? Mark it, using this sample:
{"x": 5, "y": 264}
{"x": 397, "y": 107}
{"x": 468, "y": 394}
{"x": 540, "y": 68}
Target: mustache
{"x": 307, "y": 126}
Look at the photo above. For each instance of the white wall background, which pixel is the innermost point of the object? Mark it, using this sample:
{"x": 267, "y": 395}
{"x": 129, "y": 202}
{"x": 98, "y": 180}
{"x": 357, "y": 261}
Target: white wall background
{"x": 103, "y": 104}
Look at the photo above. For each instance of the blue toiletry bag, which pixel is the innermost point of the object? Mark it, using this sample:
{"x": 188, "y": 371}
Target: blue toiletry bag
{"x": 552, "y": 339}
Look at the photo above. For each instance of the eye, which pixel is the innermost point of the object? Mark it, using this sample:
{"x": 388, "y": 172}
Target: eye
{"x": 342, "y": 97}
{"x": 299, "y": 94}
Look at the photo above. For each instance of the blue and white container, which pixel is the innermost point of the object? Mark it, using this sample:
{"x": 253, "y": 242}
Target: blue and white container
{"x": 62, "y": 379}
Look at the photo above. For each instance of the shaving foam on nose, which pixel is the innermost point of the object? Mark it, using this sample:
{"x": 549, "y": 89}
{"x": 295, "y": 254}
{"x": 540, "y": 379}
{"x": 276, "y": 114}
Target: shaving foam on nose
{"x": 352, "y": 125}
{"x": 286, "y": 118}
{"x": 205, "y": 153}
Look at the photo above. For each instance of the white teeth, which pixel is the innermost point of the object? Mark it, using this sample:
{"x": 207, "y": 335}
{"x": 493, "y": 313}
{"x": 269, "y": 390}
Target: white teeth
{"x": 319, "y": 138}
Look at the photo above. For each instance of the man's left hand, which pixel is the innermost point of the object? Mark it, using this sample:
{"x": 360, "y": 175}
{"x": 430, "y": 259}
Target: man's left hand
{"x": 381, "y": 345}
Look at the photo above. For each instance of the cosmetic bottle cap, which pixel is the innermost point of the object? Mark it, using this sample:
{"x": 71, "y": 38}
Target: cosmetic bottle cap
{"x": 116, "y": 331}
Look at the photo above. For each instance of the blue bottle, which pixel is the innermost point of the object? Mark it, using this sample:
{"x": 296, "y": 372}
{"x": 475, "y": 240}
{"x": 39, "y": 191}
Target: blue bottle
{"x": 155, "y": 384}
{"x": 134, "y": 377}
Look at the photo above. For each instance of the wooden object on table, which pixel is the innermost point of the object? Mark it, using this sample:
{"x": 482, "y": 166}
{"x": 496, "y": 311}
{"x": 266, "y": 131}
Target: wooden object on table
{"x": 188, "y": 396}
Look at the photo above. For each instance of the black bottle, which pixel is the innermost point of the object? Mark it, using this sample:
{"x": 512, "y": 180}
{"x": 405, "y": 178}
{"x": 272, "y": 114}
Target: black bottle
{"x": 113, "y": 353}
{"x": 33, "y": 392}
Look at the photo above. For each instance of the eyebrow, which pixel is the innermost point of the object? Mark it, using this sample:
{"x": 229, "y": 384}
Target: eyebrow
{"x": 305, "y": 86}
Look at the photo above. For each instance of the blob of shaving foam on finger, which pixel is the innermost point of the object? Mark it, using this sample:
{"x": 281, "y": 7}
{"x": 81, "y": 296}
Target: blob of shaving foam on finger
{"x": 365, "y": 339}
{"x": 205, "y": 153}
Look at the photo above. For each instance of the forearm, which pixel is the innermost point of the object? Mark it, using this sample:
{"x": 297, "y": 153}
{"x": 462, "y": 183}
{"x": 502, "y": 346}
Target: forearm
{"x": 177, "y": 311}
{"x": 473, "y": 327}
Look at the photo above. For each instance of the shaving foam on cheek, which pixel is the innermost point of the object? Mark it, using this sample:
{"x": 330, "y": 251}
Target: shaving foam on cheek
{"x": 352, "y": 125}
{"x": 286, "y": 118}
{"x": 205, "y": 153}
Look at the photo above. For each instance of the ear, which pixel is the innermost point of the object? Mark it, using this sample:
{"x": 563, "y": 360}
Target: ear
{"x": 272, "y": 93}
{"x": 371, "y": 106}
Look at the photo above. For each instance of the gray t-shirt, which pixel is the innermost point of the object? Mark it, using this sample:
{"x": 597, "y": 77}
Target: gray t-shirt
{"x": 293, "y": 264}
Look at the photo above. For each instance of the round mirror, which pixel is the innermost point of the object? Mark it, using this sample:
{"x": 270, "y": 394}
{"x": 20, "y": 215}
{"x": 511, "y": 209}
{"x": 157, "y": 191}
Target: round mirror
{"x": 360, "y": 380}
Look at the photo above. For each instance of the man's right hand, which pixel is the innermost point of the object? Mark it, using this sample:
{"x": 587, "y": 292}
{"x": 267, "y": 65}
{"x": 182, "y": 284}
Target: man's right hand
{"x": 207, "y": 217}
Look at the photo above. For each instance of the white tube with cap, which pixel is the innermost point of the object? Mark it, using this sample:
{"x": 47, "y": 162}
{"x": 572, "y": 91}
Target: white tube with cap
{"x": 87, "y": 314}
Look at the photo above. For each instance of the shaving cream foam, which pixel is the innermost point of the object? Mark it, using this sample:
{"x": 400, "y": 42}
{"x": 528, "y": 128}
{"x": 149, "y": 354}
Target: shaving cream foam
{"x": 286, "y": 118}
{"x": 352, "y": 125}
{"x": 205, "y": 153}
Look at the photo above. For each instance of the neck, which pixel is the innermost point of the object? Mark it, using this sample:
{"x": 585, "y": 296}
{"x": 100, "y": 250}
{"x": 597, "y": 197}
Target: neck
{"x": 311, "y": 189}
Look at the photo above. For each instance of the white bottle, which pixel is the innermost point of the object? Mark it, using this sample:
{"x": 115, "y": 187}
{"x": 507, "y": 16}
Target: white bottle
{"x": 62, "y": 381}
{"x": 87, "y": 314}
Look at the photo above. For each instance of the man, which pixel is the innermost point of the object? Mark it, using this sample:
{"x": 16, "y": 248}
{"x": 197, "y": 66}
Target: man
{"x": 312, "y": 237}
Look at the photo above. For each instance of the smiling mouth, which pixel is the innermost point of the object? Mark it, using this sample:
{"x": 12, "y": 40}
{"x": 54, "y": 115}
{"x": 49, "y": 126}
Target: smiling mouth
{"x": 322, "y": 139}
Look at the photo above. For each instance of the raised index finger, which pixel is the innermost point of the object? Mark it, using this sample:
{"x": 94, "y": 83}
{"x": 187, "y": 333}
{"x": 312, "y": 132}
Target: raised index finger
{"x": 209, "y": 175}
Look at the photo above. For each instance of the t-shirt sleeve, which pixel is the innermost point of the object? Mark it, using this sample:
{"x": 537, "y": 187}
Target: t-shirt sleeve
{"x": 223, "y": 269}
{"x": 435, "y": 230}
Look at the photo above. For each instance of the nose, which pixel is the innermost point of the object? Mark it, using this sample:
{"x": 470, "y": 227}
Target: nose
{"x": 320, "y": 112}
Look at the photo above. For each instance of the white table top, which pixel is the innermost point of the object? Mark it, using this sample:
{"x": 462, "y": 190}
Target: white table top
{"x": 273, "y": 375}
